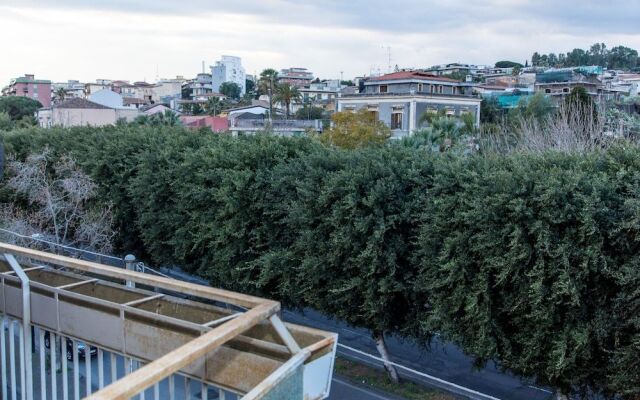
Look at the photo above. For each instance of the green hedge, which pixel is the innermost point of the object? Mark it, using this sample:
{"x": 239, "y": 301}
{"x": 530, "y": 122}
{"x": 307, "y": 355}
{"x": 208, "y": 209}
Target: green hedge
{"x": 529, "y": 260}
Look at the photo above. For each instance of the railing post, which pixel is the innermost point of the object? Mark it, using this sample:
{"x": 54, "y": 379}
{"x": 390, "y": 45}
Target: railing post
{"x": 129, "y": 262}
{"x": 26, "y": 324}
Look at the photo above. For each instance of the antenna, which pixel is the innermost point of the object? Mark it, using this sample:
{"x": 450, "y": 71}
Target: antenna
{"x": 203, "y": 66}
{"x": 388, "y": 58}
{"x": 341, "y": 76}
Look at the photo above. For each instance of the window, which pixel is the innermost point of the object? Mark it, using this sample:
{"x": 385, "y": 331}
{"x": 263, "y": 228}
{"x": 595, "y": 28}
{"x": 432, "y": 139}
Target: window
{"x": 565, "y": 90}
{"x": 396, "y": 120}
{"x": 383, "y": 89}
{"x": 420, "y": 87}
{"x": 547, "y": 90}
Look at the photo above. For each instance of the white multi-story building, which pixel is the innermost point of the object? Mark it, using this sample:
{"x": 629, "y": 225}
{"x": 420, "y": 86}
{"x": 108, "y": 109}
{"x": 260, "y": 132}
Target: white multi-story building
{"x": 228, "y": 69}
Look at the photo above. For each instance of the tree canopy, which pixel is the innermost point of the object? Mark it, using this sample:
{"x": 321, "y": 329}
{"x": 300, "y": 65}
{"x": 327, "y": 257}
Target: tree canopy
{"x": 231, "y": 89}
{"x": 351, "y": 130}
{"x": 508, "y": 64}
{"x": 18, "y": 107}
{"x": 619, "y": 57}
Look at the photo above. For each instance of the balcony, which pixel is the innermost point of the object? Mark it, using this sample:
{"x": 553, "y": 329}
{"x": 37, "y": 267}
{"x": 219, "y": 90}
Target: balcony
{"x": 74, "y": 328}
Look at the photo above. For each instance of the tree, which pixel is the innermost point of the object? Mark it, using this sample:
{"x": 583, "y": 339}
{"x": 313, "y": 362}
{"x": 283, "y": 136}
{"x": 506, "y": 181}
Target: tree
{"x": 60, "y": 94}
{"x": 535, "y": 59}
{"x": 213, "y": 106}
{"x": 490, "y": 110}
{"x": 18, "y": 106}
{"x": 59, "y": 196}
{"x": 6, "y": 123}
{"x": 231, "y": 90}
{"x": 286, "y": 94}
{"x": 267, "y": 84}
{"x": 508, "y": 64}
{"x": 166, "y": 118}
{"x": 310, "y": 112}
{"x": 352, "y": 130}
{"x": 250, "y": 86}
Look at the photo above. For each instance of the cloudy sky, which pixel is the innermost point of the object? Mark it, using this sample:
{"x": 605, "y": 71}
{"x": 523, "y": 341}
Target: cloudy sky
{"x": 143, "y": 39}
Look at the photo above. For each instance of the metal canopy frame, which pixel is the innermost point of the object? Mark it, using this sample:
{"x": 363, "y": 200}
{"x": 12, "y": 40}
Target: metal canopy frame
{"x": 255, "y": 336}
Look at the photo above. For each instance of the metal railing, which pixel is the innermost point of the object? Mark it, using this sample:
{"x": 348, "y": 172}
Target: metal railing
{"x": 124, "y": 339}
{"x": 277, "y": 124}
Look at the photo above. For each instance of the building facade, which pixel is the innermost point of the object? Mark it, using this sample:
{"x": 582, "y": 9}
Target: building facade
{"x": 228, "y": 69}
{"x": 399, "y": 99}
{"x": 28, "y": 86}
{"x": 295, "y": 76}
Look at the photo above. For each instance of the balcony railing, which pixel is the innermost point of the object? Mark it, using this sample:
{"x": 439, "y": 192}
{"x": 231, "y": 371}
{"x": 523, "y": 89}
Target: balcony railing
{"x": 276, "y": 124}
{"x": 103, "y": 332}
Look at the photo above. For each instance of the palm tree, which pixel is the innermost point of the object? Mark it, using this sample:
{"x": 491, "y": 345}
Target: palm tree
{"x": 213, "y": 106}
{"x": 286, "y": 94}
{"x": 267, "y": 84}
{"x": 60, "y": 94}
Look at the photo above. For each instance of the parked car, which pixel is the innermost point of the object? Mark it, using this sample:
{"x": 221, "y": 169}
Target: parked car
{"x": 82, "y": 348}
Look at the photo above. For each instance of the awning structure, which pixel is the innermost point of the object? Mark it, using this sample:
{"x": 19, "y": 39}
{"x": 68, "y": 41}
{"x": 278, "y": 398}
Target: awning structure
{"x": 231, "y": 340}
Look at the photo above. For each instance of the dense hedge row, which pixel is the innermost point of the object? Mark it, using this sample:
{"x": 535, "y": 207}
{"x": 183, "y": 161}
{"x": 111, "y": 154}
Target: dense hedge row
{"x": 531, "y": 260}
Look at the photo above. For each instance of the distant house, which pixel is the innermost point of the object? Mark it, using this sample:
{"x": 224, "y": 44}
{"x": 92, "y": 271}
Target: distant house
{"x": 253, "y": 109}
{"x": 28, "y": 86}
{"x": 400, "y": 98}
{"x": 111, "y": 99}
{"x": 107, "y": 98}
{"x": 558, "y": 82}
{"x": 295, "y": 76}
{"x": 77, "y": 112}
{"x": 216, "y": 124}
{"x": 155, "y": 109}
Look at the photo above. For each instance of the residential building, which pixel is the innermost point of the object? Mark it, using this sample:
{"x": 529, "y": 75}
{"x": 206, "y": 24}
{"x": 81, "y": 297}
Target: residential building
{"x": 158, "y": 108}
{"x": 295, "y": 76}
{"x": 168, "y": 90}
{"x": 124, "y": 108}
{"x": 320, "y": 94}
{"x": 72, "y": 89}
{"x": 76, "y": 112}
{"x": 400, "y": 98}
{"x": 82, "y": 112}
{"x": 29, "y": 86}
{"x": 198, "y": 86}
{"x": 558, "y": 82}
{"x": 216, "y": 124}
{"x": 99, "y": 84}
{"x": 228, "y": 69}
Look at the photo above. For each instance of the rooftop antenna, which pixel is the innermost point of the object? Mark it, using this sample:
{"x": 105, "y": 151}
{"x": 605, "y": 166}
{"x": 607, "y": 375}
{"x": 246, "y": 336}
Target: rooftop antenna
{"x": 203, "y": 66}
{"x": 388, "y": 58}
{"x": 341, "y": 76}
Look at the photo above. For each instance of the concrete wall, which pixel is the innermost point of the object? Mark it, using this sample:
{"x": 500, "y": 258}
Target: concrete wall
{"x": 107, "y": 98}
{"x": 82, "y": 117}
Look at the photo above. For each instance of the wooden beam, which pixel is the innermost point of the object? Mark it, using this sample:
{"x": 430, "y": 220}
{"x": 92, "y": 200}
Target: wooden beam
{"x": 179, "y": 358}
{"x": 76, "y": 284}
{"x": 138, "y": 277}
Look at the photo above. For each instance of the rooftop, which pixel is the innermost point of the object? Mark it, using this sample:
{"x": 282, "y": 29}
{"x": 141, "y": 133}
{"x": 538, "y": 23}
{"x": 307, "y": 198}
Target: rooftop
{"x": 80, "y": 103}
{"x": 408, "y": 75}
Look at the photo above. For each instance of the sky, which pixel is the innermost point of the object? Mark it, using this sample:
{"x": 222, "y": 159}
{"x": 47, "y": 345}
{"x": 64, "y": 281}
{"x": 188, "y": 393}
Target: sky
{"x": 146, "y": 39}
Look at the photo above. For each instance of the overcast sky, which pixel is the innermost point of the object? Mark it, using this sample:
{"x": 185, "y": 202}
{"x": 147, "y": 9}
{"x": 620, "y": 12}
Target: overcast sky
{"x": 143, "y": 39}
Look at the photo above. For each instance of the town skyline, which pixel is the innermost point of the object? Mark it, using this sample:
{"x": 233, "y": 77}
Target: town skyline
{"x": 162, "y": 40}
